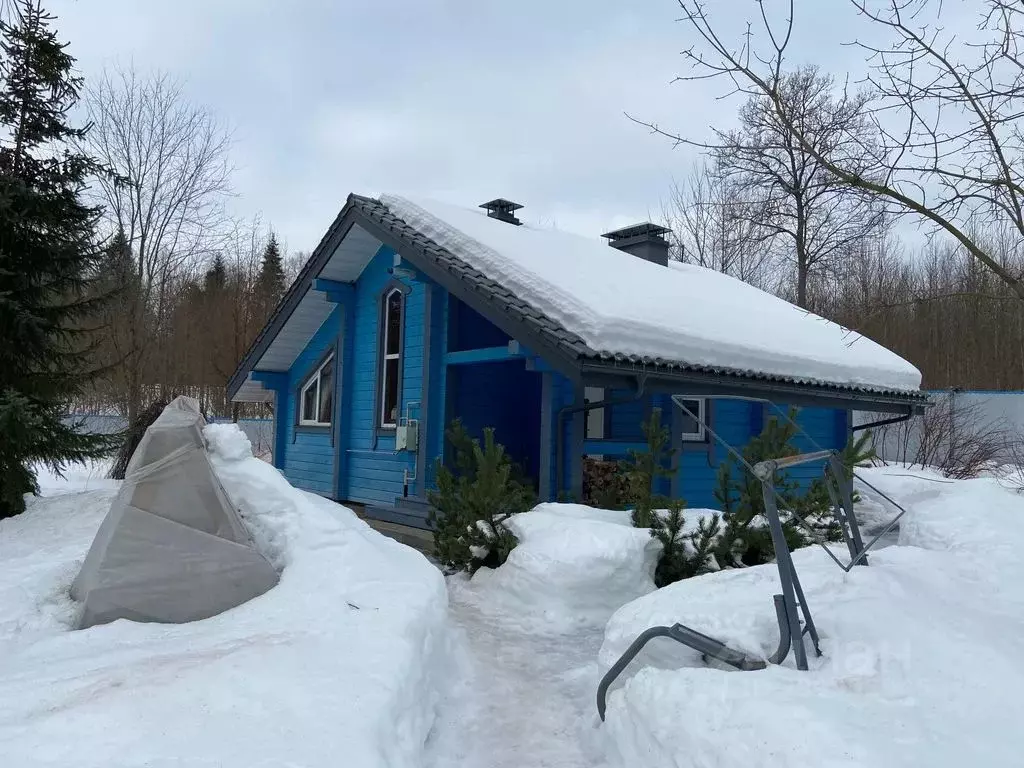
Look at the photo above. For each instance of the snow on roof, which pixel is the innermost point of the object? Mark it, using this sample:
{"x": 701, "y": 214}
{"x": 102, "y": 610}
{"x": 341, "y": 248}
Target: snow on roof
{"x": 619, "y": 304}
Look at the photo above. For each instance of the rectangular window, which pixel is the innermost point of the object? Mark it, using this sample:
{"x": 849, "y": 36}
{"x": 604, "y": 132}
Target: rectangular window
{"x": 594, "y": 429}
{"x": 317, "y": 396}
{"x": 693, "y": 430}
{"x": 391, "y": 347}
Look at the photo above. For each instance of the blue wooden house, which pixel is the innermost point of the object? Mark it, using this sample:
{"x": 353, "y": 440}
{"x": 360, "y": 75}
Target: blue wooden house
{"x": 409, "y": 315}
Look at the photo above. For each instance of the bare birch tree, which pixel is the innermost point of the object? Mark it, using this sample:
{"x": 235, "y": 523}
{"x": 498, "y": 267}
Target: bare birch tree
{"x": 170, "y": 158}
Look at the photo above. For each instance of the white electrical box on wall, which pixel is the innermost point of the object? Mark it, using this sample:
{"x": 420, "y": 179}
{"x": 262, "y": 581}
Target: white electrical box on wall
{"x": 407, "y": 436}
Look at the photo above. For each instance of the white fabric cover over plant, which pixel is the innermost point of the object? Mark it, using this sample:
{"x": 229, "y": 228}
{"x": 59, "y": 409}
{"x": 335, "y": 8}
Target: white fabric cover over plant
{"x": 172, "y": 548}
{"x": 621, "y": 304}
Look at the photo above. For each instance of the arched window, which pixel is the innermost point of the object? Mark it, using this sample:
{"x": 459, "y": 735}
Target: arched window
{"x": 389, "y": 382}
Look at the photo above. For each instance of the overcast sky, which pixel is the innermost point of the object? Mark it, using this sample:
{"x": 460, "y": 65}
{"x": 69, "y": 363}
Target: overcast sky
{"x": 461, "y": 100}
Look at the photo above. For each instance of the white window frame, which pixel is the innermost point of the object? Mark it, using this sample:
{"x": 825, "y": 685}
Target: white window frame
{"x": 702, "y": 412}
{"x": 311, "y": 382}
{"x": 385, "y": 421}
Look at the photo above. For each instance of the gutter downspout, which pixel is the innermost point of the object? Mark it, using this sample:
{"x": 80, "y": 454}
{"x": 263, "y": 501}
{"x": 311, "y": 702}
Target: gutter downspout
{"x": 564, "y": 413}
{"x": 883, "y": 422}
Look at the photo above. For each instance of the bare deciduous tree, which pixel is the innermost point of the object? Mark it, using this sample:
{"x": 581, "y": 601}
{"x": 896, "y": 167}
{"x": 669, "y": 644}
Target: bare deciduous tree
{"x": 791, "y": 202}
{"x": 711, "y": 227}
{"x": 172, "y": 177}
{"x": 795, "y": 201}
{"x": 945, "y": 105}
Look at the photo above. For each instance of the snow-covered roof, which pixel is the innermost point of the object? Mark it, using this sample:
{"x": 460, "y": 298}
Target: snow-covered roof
{"x": 622, "y": 306}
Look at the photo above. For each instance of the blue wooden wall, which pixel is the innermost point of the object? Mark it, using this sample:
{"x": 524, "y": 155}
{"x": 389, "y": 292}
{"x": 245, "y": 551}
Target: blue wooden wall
{"x": 736, "y": 421}
{"x": 374, "y": 469}
{"x": 309, "y": 453}
{"x": 471, "y": 330}
{"x": 506, "y": 397}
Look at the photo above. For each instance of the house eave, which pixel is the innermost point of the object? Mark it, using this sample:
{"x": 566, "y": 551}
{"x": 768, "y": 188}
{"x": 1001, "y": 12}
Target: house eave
{"x": 673, "y": 379}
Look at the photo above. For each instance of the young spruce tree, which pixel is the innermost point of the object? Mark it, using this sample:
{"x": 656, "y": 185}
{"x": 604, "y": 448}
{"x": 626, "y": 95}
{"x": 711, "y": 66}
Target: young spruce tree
{"x": 270, "y": 283}
{"x": 645, "y": 468}
{"x": 48, "y": 257}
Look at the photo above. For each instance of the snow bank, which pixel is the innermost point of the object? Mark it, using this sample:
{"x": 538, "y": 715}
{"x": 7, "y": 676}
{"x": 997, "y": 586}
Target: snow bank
{"x": 338, "y": 662}
{"x": 573, "y": 567}
{"x": 620, "y": 304}
{"x": 86, "y": 476}
{"x": 921, "y": 660}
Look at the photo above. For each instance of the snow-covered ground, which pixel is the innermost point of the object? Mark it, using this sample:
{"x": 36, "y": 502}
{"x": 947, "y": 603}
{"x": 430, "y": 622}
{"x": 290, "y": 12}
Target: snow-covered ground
{"x": 527, "y": 635}
{"x": 352, "y": 659}
{"x": 922, "y": 650}
{"x": 338, "y": 664}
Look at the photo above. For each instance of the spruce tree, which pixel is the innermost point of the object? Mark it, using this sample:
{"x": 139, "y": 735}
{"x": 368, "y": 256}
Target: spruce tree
{"x": 270, "y": 281}
{"x": 644, "y": 469}
{"x": 216, "y": 276}
{"x": 118, "y": 266}
{"x": 476, "y": 493}
{"x": 49, "y": 259}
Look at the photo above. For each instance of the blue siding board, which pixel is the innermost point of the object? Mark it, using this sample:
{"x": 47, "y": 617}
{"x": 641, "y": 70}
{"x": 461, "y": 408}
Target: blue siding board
{"x": 506, "y": 397}
{"x": 471, "y": 330}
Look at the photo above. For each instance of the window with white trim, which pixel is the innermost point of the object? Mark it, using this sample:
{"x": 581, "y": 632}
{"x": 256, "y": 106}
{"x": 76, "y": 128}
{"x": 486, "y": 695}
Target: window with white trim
{"x": 693, "y": 430}
{"x": 391, "y": 358}
{"x": 317, "y": 396}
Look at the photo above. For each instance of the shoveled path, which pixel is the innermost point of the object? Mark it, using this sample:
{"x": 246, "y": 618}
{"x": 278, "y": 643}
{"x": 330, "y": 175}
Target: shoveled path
{"x": 518, "y": 699}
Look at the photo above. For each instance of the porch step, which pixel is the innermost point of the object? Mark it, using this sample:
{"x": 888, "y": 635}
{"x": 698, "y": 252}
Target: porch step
{"x": 406, "y": 511}
{"x": 413, "y": 505}
{"x": 417, "y": 538}
{"x": 386, "y": 520}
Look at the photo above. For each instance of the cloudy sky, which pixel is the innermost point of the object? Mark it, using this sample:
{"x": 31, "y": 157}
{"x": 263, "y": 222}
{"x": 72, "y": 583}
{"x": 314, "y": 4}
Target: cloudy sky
{"x": 461, "y": 100}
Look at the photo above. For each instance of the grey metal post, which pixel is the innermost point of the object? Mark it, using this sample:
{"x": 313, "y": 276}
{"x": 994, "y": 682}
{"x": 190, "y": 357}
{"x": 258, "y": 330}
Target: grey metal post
{"x": 766, "y": 472}
{"x": 840, "y": 514}
{"x": 846, "y": 496}
{"x": 809, "y": 627}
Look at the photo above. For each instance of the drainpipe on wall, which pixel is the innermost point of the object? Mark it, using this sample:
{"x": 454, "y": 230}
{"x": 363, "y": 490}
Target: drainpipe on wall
{"x": 884, "y": 422}
{"x": 569, "y": 410}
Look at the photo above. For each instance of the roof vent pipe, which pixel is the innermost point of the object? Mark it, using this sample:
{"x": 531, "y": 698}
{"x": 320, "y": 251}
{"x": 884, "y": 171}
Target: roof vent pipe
{"x": 643, "y": 240}
{"x": 502, "y": 210}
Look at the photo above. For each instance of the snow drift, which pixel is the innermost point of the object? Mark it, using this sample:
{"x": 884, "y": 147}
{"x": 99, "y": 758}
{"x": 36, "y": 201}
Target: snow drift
{"x": 339, "y": 661}
{"x": 620, "y": 304}
{"x": 573, "y": 567}
{"x": 921, "y": 650}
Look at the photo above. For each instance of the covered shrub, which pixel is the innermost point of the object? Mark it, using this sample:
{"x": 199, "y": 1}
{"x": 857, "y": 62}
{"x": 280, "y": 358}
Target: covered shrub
{"x": 132, "y": 436}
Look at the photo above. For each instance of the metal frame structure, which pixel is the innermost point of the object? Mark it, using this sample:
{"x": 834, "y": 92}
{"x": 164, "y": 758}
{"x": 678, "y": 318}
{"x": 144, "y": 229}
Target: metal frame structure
{"x": 791, "y": 609}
